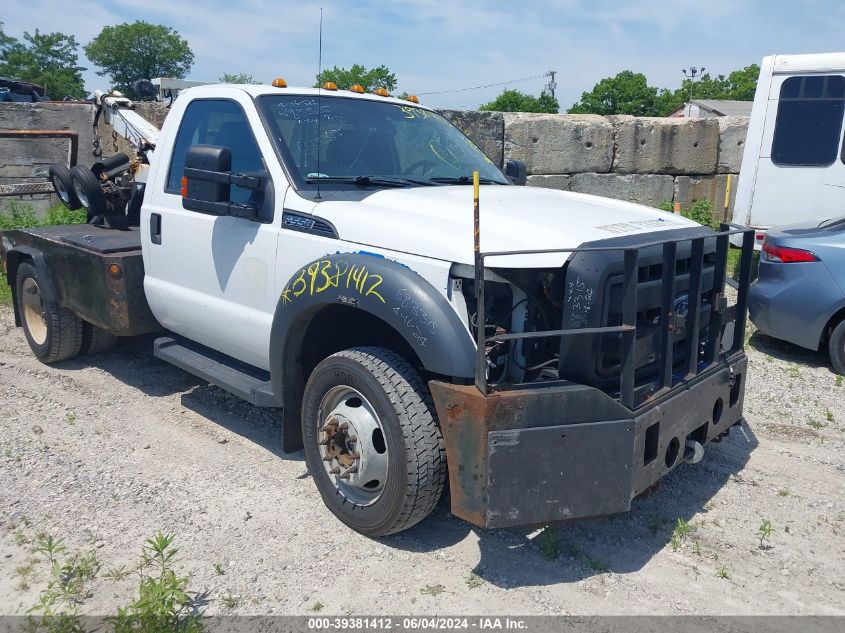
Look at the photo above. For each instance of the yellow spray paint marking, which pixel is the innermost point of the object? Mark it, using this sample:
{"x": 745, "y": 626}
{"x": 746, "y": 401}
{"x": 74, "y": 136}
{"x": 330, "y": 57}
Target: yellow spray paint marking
{"x": 326, "y": 274}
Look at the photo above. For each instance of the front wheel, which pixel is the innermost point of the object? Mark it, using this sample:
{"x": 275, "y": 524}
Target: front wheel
{"x": 372, "y": 443}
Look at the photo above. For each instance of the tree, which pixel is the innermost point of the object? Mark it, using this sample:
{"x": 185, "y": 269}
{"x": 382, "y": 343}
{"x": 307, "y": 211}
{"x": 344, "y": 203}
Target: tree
{"x": 516, "y": 101}
{"x": 626, "y": 93}
{"x": 369, "y": 78}
{"x": 629, "y": 93}
{"x": 5, "y": 40}
{"x": 129, "y": 52}
{"x": 46, "y": 59}
{"x": 237, "y": 78}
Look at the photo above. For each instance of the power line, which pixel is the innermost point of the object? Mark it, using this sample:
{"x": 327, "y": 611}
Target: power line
{"x": 501, "y": 83}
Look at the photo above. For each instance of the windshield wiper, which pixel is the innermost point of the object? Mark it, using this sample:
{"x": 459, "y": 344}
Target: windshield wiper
{"x": 367, "y": 181}
{"x": 463, "y": 180}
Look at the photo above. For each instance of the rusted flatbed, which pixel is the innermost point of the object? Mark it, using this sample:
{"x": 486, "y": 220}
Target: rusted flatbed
{"x": 96, "y": 272}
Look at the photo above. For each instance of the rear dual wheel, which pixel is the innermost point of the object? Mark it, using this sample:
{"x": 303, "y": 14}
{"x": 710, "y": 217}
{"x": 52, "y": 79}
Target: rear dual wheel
{"x": 372, "y": 443}
{"x": 62, "y": 181}
{"x": 89, "y": 192}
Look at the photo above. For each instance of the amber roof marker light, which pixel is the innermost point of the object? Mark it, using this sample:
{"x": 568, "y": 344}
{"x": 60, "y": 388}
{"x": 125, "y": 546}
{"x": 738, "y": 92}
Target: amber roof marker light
{"x": 357, "y": 88}
{"x": 413, "y": 99}
{"x": 330, "y": 85}
{"x": 381, "y": 92}
{"x": 278, "y": 82}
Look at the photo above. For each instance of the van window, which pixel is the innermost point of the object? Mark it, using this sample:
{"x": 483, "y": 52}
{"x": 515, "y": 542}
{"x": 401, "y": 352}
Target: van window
{"x": 808, "y": 127}
{"x": 215, "y": 122}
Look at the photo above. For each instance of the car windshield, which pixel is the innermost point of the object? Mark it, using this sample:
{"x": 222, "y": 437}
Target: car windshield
{"x": 365, "y": 143}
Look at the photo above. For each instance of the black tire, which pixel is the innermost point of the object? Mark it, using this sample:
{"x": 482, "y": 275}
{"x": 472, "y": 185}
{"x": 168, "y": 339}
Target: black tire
{"x": 63, "y": 186}
{"x": 836, "y": 348}
{"x": 57, "y": 333}
{"x": 416, "y": 469}
{"x": 96, "y": 340}
{"x": 87, "y": 188}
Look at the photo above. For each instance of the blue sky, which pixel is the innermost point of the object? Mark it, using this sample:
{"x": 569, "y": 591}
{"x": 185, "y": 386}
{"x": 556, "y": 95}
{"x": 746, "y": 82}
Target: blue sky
{"x": 438, "y": 45}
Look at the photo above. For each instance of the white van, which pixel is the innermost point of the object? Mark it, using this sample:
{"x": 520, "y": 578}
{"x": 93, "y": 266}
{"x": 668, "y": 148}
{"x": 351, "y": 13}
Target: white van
{"x": 793, "y": 166}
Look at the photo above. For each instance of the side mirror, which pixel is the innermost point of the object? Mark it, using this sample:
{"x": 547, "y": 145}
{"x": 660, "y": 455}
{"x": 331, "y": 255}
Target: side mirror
{"x": 517, "y": 172}
{"x": 208, "y": 179}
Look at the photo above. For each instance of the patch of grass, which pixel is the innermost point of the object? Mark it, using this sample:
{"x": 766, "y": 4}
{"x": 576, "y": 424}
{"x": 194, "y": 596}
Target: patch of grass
{"x": 682, "y": 530}
{"x": 218, "y": 569}
{"x": 814, "y": 424}
{"x": 70, "y": 418}
{"x": 828, "y": 415}
{"x": 783, "y": 492}
{"x": 432, "y": 590}
{"x": 317, "y": 606}
{"x": 550, "y": 544}
{"x": 163, "y": 602}
{"x": 474, "y": 581}
{"x": 20, "y": 538}
{"x": 764, "y": 533}
{"x": 230, "y": 602}
{"x": 19, "y": 215}
{"x": 794, "y": 370}
{"x": 839, "y": 380}
{"x": 723, "y": 573}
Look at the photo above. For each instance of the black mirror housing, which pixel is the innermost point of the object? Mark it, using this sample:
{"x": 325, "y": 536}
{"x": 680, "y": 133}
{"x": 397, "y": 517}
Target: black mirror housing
{"x": 517, "y": 172}
{"x": 211, "y": 159}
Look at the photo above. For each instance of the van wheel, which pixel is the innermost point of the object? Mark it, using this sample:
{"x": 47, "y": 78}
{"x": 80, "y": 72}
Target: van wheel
{"x": 96, "y": 340}
{"x": 53, "y": 333}
{"x": 372, "y": 442}
{"x": 63, "y": 186}
{"x": 836, "y": 347}
{"x": 87, "y": 188}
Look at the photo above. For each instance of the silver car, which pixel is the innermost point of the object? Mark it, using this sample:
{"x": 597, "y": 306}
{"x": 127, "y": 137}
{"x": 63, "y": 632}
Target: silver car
{"x": 799, "y": 295}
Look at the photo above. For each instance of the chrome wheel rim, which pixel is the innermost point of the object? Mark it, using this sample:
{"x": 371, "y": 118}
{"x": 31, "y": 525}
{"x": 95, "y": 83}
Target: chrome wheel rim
{"x": 33, "y": 311}
{"x": 61, "y": 190}
{"x": 352, "y": 445}
{"x": 80, "y": 193}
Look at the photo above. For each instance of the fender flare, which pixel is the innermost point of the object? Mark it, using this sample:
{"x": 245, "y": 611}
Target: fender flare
{"x": 386, "y": 289}
{"x": 14, "y": 257}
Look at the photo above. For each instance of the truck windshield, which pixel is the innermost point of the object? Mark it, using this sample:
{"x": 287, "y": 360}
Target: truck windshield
{"x": 364, "y": 143}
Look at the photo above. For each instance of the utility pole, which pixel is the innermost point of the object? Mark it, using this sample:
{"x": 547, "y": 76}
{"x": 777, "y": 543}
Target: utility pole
{"x": 691, "y": 75}
{"x": 552, "y": 83}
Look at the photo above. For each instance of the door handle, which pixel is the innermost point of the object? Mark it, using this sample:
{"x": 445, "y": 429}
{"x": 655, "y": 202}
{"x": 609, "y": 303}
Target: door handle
{"x": 155, "y": 228}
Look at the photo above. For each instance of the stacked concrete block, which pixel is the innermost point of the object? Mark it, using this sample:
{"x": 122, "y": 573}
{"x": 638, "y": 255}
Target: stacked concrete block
{"x": 559, "y": 144}
{"x": 485, "y": 129}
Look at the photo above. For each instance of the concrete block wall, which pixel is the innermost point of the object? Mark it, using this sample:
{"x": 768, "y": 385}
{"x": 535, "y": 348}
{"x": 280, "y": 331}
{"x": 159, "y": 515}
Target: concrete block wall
{"x": 648, "y": 160}
{"x": 27, "y": 160}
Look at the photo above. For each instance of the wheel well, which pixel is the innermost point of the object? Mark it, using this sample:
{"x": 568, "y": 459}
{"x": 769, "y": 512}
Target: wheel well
{"x": 316, "y": 335}
{"x": 835, "y": 320}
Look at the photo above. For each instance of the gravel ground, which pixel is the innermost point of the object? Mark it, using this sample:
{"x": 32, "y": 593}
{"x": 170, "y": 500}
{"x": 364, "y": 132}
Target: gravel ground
{"x": 105, "y": 451}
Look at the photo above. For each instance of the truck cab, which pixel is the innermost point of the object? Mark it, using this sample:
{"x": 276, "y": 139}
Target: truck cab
{"x": 358, "y": 262}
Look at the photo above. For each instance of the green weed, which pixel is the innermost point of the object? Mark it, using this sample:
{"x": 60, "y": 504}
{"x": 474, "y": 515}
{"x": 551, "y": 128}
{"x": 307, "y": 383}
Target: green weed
{"x": 722, "y": 572}
{"x": 317, "y": 606}
{"x": 764, "y": 532}
{"x": 231, "y": 602}
{"x": 218, "y": 569}
{"x": 474, "y": 581}
{"x": 432, "y": 590}
{"x": 828, "y": 415}
{"x": 679, "y": 534}
{"x": 550, "y": 544}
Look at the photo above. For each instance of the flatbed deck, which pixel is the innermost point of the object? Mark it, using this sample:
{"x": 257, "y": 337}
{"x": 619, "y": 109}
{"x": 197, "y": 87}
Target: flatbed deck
{"x": 96, "y": 272}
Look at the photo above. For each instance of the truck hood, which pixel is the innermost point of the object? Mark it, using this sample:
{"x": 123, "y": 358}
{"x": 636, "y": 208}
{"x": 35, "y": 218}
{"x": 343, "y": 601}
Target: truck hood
{"x": 437, "y": 222}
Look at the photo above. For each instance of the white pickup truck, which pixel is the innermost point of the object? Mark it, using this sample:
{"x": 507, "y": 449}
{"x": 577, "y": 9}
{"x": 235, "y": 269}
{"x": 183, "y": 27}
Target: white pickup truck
{"x": 319, "y": 251}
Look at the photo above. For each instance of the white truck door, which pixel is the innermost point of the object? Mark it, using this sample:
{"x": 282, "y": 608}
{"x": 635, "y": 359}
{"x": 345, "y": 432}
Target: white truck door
{"x": 211, "y": 278}
{"x": 801, "y": 173}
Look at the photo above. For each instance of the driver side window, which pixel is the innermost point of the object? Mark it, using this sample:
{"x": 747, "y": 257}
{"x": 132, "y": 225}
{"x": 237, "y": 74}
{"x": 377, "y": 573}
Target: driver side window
{"x": 215, "y": 122}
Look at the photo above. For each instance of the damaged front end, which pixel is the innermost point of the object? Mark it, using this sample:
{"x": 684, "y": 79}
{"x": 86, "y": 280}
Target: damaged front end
{"x": 595, "y": 380}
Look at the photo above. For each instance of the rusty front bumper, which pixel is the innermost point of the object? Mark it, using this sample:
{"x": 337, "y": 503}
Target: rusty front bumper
{"x": 551, "y": 453}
